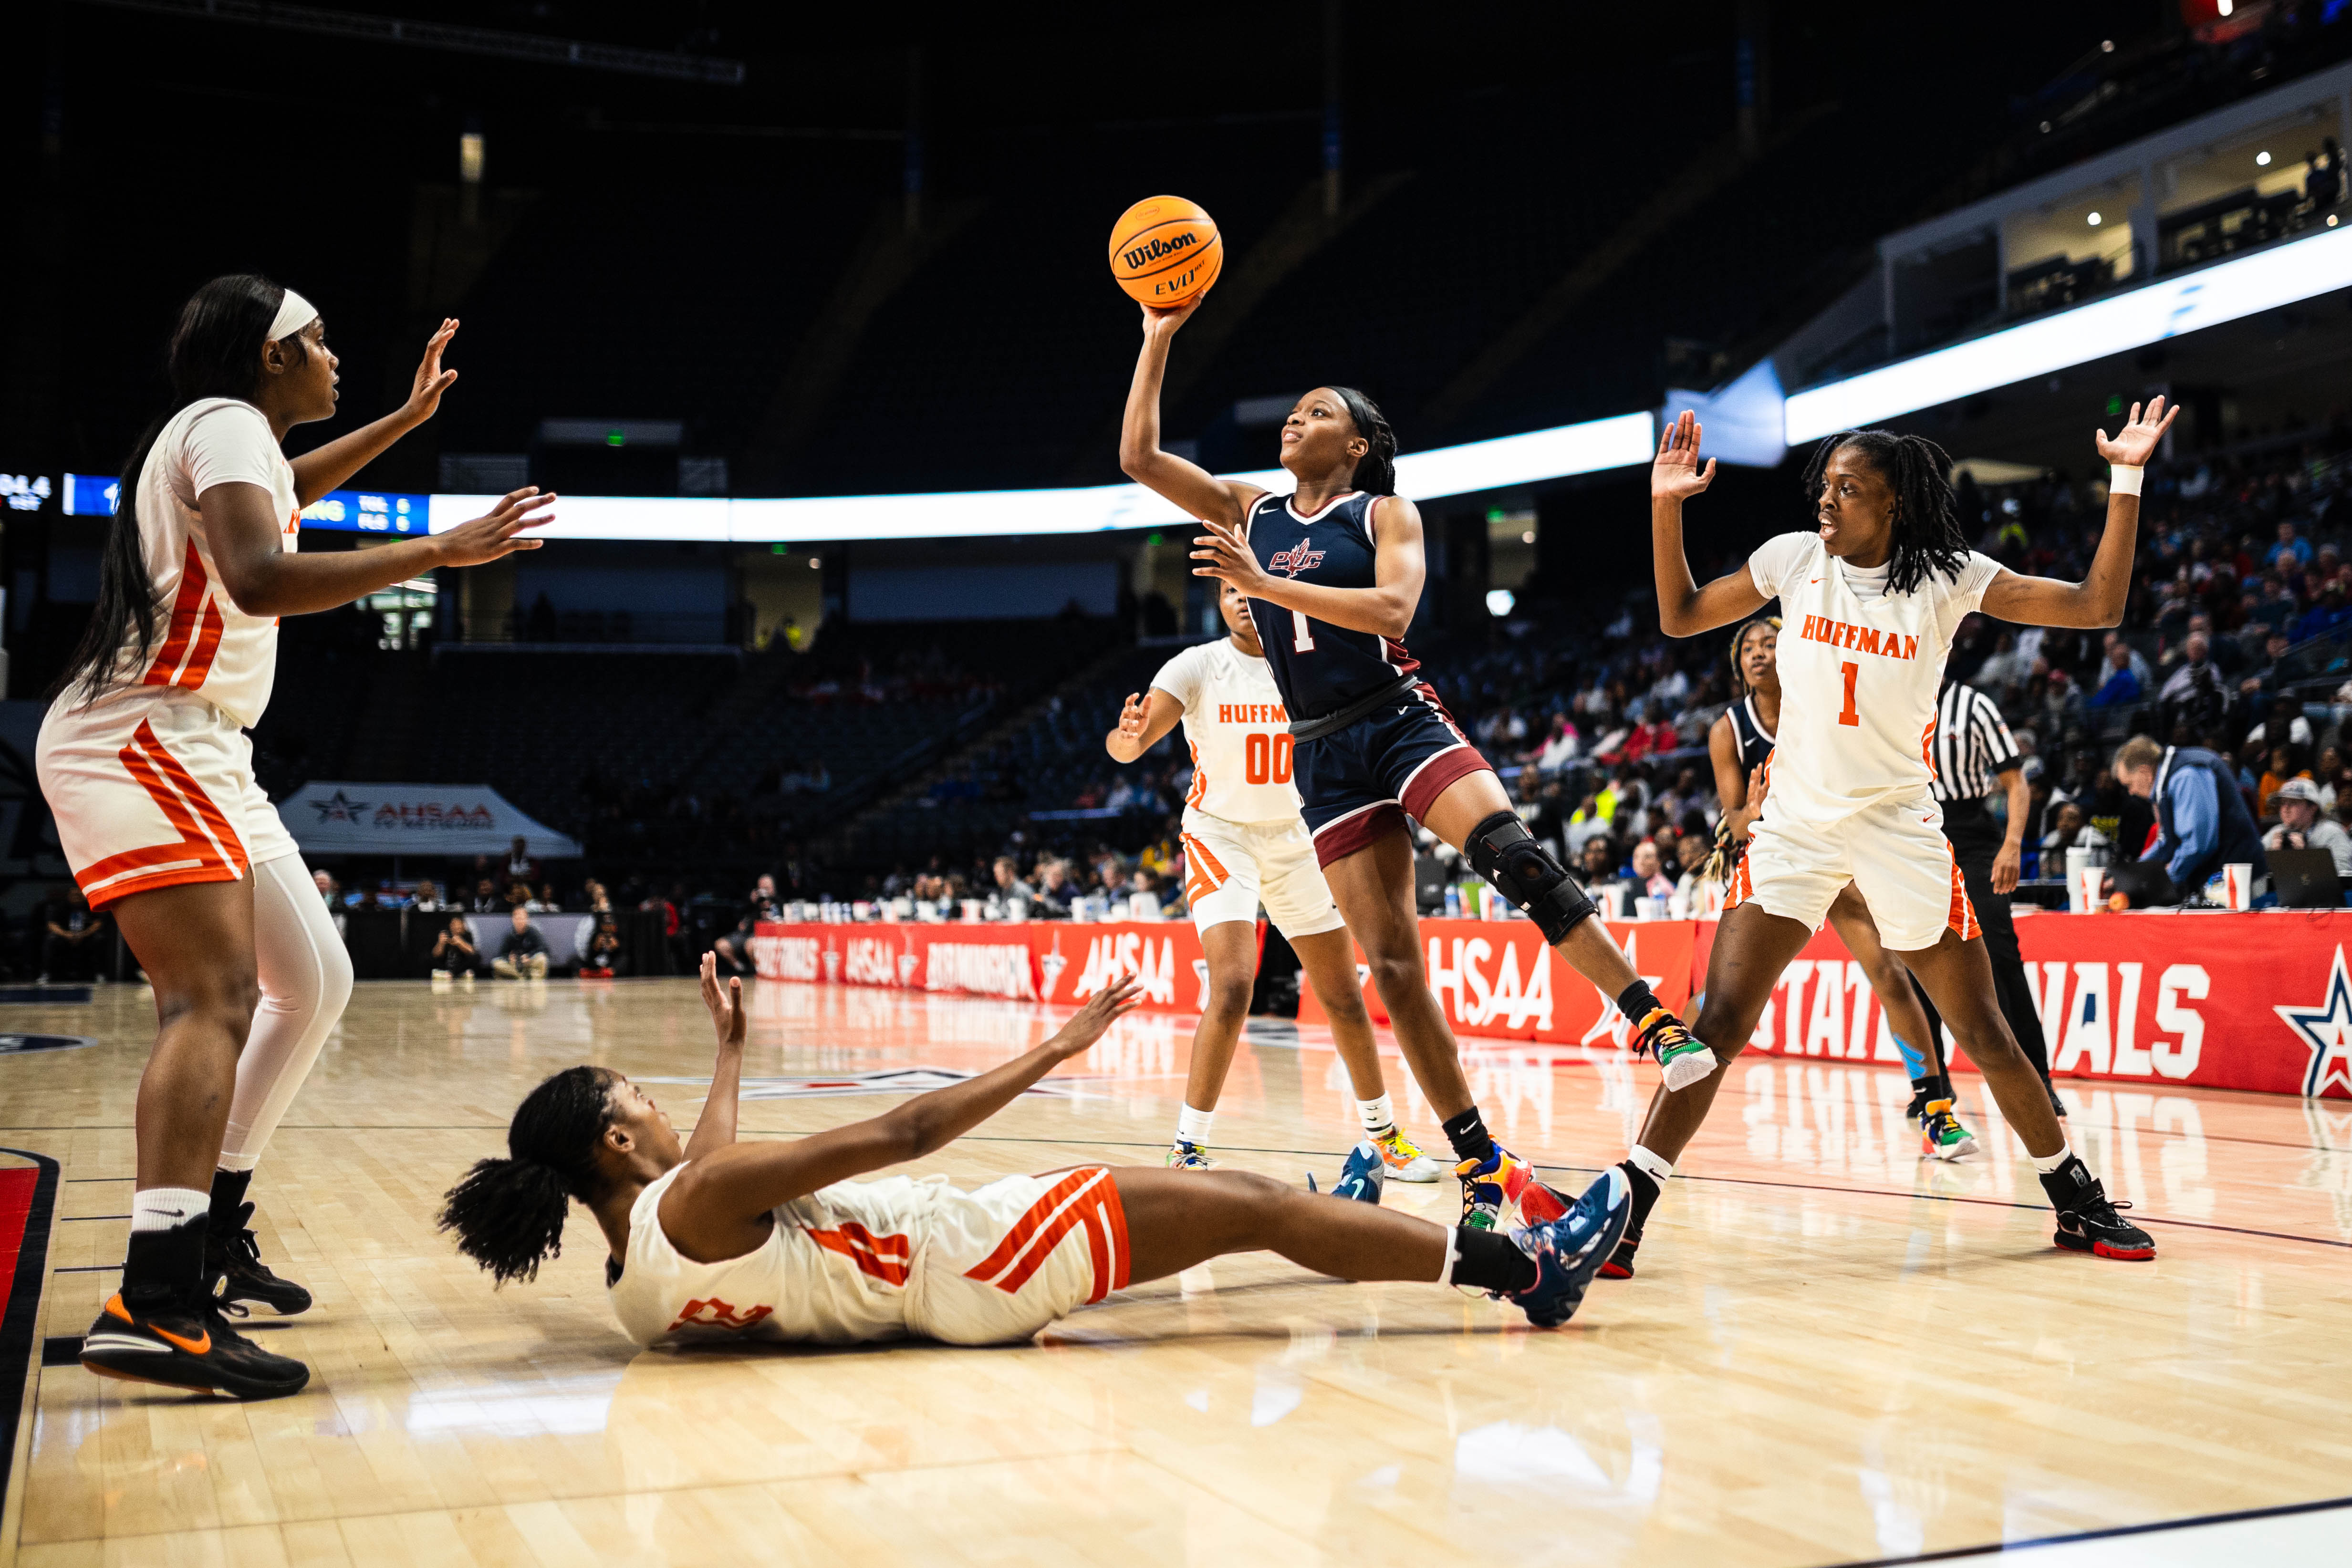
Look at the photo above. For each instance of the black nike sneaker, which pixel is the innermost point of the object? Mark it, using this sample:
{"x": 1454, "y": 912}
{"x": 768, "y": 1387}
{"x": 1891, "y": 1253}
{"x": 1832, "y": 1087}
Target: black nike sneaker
{"x": 1644, "y": 1197}
{"x": 235, "y": 1273}
{"x": 2087, "y": 1222}
{"x": 186, "y": 1348}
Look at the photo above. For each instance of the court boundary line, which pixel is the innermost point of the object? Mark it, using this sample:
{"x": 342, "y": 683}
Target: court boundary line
{"x": 18, "y": 1331}
{"x": 2191, "y": 1521}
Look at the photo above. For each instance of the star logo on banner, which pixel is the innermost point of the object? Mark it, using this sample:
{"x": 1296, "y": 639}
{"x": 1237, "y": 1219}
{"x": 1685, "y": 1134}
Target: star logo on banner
{"x": 1052, "y": 965}
{"x": 337, "y": 808}
{"x": 2327, "y": 1029}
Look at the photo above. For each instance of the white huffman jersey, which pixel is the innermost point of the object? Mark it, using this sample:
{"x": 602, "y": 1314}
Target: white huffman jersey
{"x": 1860, "y": 668}
{"x": 1239, "y": 732}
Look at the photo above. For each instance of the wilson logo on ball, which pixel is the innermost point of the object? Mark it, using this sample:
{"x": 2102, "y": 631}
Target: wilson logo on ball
{"x": 1144, "y": 255}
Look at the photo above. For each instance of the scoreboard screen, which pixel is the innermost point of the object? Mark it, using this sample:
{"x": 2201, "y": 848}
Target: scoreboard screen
{"x": 344, "y": 511}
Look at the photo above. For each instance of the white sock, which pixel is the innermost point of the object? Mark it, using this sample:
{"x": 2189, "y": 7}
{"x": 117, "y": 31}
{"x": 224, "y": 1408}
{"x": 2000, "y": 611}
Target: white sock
{"x": 1649, "y": 1165}
{"x": 1193, "y": 1126}
{"x": 1379, "y": 1116}
{"x": 1453, "y": 1252}
{"x": 2048, "y": 1164}
{"x": 163, "y": 1208}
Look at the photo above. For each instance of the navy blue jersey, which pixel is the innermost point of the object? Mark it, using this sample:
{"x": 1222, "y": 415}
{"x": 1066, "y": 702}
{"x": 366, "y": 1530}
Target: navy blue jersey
{"x": 1748, "y": 734}
{"x": 1321, "y": 668}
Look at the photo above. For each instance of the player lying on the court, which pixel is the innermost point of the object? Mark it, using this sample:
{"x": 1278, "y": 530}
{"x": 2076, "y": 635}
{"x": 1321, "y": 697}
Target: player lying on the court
{"x": 1871, "y": 597}
{"x": 719, "y": 1239}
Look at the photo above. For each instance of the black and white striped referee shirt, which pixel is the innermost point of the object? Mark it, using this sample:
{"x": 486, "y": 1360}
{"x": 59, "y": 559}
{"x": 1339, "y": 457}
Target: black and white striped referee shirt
{"x": 1972, "y": 743}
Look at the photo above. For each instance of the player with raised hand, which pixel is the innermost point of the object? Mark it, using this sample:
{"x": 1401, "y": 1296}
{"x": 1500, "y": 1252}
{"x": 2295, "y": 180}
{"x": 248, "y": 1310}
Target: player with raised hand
{"x": 717, "y": 1240}
{"x": 1333, "y": 573}
{"x": 1870, "y": 600}
{"x": 1243, "y": 844}
{"x": 143, "y": 759}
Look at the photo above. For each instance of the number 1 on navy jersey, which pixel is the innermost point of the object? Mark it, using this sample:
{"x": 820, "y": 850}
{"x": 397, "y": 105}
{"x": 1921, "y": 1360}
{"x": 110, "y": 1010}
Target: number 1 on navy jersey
{"x": 1302, "y": 641}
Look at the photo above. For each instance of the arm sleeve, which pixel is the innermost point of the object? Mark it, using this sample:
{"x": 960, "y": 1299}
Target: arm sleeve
{"x": 1773, "y": 560}
{"x": 229, "y": 443}
{"x": 2197, "y": 813}
{"x": 1179, "y": 677}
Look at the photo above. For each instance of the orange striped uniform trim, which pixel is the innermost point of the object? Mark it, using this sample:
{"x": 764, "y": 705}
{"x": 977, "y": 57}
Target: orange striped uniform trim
{"x": 1963, "y": 915}
{"x": 884, "y": 1258}
{"x": 1204, "y": 873}
{"x": 1927, "y": 747}
{"x": 196, "y": 620}
{"x": 1200, "y": 790}
{"x": 1087, "y": 1199}
{"x": 208, "y": 849}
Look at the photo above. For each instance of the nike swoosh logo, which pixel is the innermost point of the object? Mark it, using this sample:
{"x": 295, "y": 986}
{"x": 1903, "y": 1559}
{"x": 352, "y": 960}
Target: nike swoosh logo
{"x": 199, "y": 1346}
{"x": 172, "y": 1213}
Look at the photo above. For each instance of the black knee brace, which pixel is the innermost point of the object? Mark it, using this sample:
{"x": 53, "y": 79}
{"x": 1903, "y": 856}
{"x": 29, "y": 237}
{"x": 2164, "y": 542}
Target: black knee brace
{"x": 1502, "y": 851}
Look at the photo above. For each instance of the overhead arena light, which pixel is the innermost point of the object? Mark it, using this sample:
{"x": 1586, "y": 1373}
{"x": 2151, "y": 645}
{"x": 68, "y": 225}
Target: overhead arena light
{"x": 1622, "y": 442}
{"x": 2223, "y": 292}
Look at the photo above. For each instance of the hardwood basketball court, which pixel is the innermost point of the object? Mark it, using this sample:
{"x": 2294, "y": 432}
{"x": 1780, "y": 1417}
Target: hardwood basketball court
{"x": 1834, "y": 1352}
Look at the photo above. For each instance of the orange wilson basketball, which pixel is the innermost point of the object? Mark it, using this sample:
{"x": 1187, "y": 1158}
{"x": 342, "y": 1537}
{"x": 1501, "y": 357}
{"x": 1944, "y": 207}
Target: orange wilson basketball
{"x": 1165, "y": 249}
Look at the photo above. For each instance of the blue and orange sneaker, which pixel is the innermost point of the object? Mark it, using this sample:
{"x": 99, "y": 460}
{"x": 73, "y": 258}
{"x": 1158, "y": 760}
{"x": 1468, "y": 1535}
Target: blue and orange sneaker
{"x": 1492, "y": 1188}
{"x": 1570, "y": 1250}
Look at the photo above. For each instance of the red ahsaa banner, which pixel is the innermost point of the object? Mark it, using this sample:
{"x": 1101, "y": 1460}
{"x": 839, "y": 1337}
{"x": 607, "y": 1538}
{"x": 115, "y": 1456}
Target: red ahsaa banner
{"x": 2257, "y": 1001}
{"x": 1497, "y": 978}
{"x": 2226, "y": 1001}
{"x": 1051, "y": 962}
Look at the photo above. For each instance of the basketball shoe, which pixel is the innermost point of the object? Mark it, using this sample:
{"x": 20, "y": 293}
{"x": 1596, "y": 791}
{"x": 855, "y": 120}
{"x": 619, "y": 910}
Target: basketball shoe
{"x": 1362, "y": 1178}
{"x": 1570, "y": 1250}
{"x": 1405, "y": 1159}
{"x": 1184, "y": 1155}
{"x": 235, "y": 1273}
{"x": 1645, "y": 1198}
{"x": 1491, "y": 1189}
{"x": 187, "y": 1347}
{"x": 1941, "y": 1136}
{"x": 2087, "y": 1222}
{"x": 1681, "y": 1058}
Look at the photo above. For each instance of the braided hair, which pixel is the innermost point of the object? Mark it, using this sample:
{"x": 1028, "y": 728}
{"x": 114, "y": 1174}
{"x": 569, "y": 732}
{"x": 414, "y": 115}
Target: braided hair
{"x": 509, "y": 1214}
{"x": 1927, "y": 537}
{"x": 1726, "y": 853}
{"x": 1739, "y": 647}
{"x": 1376, "y": 470}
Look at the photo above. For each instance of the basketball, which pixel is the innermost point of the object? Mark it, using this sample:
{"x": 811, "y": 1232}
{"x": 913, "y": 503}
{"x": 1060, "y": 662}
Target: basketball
{"x": 1165, "y": 250}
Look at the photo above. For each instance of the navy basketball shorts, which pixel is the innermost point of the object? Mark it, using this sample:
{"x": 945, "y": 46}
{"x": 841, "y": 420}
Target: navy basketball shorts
{"x": 1360, "y": 783}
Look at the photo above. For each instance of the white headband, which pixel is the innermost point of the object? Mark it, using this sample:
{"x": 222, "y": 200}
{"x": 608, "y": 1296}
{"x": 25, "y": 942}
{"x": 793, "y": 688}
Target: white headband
{"x": 294, "y": 315}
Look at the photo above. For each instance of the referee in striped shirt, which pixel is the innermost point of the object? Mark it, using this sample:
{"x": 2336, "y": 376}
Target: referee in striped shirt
{"x": 1975, "y": 753}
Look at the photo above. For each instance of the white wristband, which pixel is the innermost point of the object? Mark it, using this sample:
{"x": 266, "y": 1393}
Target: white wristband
{"x": 2125, "y": 481}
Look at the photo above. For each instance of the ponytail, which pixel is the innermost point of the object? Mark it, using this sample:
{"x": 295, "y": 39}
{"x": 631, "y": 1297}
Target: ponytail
{"x": 509, "y": 1214}
{"x": 1376, "y": 470}
{"x": 216, "y": 352}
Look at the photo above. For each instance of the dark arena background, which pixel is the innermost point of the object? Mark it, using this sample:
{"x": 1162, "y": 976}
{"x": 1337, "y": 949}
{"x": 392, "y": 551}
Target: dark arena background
{"x": 804, "y": 313}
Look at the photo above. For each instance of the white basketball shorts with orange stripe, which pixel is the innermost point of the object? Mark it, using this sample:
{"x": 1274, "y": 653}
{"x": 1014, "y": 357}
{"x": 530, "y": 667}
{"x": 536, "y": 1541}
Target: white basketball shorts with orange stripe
{"x": 152, "y": 787}
{"x": 1894, "y": 853}
{"x": 1230, "y": 867}
{"x": 999, "y": 1263}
